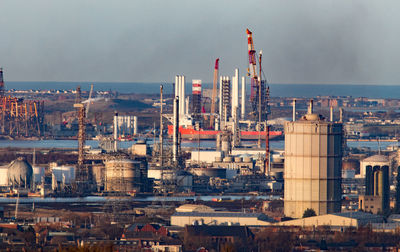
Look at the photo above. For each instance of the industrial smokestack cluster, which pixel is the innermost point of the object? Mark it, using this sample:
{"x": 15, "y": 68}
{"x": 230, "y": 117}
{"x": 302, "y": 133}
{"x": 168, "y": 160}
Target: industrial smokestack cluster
{"x": 235, "y": 92}
{"x": 180, "y": 92}
{"x": 230, "y": 90}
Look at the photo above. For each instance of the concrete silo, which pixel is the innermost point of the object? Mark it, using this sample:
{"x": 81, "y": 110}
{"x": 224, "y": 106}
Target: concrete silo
{"x": 313, "y": 161}
{"x": 122, "y": 175}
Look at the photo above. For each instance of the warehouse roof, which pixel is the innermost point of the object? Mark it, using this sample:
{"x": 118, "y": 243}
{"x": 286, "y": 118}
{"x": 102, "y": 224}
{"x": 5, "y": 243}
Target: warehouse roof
{"x": 360, "y": 216}
{"x": 377, "y": 158}
{"x": 259, "y": 216}
{"x": 194, "y": 208}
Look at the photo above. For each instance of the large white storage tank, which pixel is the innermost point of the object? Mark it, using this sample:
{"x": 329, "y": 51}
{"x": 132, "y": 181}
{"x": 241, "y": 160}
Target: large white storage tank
{"x": 38, "y": 174}
{"x": 3, "y": 175}
{"x": 313, "y": 161}
{"x": 64, "y": 171}
{"x": 122, "y": 175}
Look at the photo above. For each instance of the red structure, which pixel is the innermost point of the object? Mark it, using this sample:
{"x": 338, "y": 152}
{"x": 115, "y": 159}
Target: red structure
{"x": 19, "y": 118}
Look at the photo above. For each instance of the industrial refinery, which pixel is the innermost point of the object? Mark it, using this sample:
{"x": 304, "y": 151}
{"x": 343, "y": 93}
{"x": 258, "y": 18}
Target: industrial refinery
{"x": 197, "y": 166}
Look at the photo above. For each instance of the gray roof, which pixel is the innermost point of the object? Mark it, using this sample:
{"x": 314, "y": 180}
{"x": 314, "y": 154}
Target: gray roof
{"x": 360, "y": 216}
{"x": 377, "y": 158}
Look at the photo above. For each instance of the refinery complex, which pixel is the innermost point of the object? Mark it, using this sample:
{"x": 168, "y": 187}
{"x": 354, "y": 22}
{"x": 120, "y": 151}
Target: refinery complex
{"x": 196, "y": 166}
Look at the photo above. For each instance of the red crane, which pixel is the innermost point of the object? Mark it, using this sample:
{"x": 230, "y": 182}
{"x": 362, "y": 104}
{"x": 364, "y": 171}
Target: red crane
{"x": 252, "y": 72}
{"x": 214, "y": 92}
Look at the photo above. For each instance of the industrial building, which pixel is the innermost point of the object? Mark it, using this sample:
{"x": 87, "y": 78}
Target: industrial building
{"x": 201, "y": 215}
{"x": 313, "y": 161}
{"x": 349, "y": 219}
{"x": 373, "y": 161}
{"x": 20, "y": 118}
{"x": 377, "y": 192}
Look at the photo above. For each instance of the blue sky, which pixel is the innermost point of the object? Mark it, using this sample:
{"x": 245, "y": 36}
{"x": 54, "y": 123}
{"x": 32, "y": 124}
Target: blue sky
{"x": 303, "y": 41}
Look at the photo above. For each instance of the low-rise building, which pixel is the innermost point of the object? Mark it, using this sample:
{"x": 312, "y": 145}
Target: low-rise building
{"x": 348, "y": 219}
{"x": 220, "y": 218}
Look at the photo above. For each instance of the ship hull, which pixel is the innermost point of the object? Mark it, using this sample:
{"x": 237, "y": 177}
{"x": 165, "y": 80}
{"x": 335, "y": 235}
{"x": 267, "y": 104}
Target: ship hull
{"x": 192, "y": 134}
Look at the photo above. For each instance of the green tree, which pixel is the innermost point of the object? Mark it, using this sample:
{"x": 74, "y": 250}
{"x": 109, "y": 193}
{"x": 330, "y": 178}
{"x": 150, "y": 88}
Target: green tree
{"x": 309, "y": 212}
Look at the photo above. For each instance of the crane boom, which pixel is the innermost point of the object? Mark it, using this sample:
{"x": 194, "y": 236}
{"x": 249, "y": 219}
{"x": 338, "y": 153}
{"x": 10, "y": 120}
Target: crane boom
{"x": 214, "y": 92}
{"x": 253, "y": 72}
{"x": 89, "y": 100}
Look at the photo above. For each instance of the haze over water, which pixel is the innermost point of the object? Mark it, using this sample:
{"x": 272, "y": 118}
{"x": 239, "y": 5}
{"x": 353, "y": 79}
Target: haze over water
{"x": 277, "y": 90}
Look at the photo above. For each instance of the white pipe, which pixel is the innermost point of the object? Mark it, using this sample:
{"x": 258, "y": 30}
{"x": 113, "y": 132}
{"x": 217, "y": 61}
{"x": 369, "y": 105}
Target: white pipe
{"x": 187, "y": 105}
{"x": 220, "y": 98}
{"x": 237, "y": 87}
{"x": 182, "y": 98}
{"x": 135, "y": 125}
{"x": 115, "y": 132}
{"x": 243, "y": 98}
{"x": 294, "y": 110}
{"x": 176, "y": 85}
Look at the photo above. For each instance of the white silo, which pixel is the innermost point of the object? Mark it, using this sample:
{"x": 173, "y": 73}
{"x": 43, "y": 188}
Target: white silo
{"x": 313, "y": 161}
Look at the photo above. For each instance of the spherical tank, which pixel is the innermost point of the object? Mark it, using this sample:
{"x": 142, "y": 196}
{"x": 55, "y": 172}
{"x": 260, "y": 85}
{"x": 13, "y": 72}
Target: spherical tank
{"x": 20, "y": 173}
{"x": 122, "y": 175}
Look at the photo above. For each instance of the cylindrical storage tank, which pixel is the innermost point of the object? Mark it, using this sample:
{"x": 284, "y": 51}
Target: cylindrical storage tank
{"x": 247, "y": 159}
{"x": 122, "y": 175}
{"x": 225, "y": 146}
{"x": 64, "y": 171}
{"x": 313, "y": 164}
{"x": 38, "y": 173}
{"x": 218, "y": 159}
{"x": 238, "y": 159}
{"x": 228, "y": 159}
{"x": 98, "y": 171}
{"x": 3, "y": 176}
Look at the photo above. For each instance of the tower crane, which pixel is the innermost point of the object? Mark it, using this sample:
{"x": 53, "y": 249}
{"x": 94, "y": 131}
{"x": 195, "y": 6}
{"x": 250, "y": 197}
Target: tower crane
{"x": 214, "y": 92}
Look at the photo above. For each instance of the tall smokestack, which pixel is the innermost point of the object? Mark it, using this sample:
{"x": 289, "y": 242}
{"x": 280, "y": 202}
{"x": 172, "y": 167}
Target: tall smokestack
{"x": 1, "y": 83}
{"x": 294, "y": 110}
{"x": 235, "y": 91}
{"x": 177, "y": 85}
{"x": 220, "y": 100}
{"x": 182, "y": 97}
{"x": 135, "y": 125}
{"x": 161, "y": 128}
{"x": 311, "y": 107}
{"x": 175, "y": 130}
{"x": 115, "y": 131}
{"x": 243, "y": 112}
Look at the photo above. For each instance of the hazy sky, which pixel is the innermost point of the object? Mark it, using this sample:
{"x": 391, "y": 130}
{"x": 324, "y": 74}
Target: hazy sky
{"x": 303, "y": 41}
